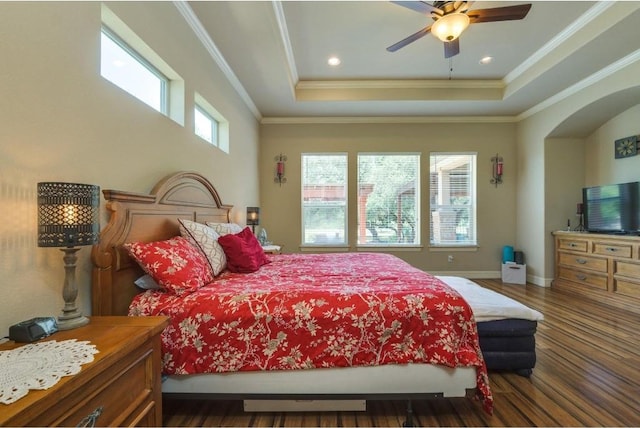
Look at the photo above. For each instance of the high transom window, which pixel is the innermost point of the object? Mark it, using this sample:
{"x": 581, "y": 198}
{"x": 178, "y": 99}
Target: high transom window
{"x": 205, "y": 126}
{"x": 124, "y": 67}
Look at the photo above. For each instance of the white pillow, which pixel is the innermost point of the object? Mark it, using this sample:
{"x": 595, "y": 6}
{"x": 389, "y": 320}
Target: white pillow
{"x": 225, "y": 228}
{"x": 206, "y": 239}
{"x": 147, "y": 282}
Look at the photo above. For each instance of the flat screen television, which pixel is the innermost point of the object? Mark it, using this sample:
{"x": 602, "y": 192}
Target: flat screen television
{"x": 613, "y": 208}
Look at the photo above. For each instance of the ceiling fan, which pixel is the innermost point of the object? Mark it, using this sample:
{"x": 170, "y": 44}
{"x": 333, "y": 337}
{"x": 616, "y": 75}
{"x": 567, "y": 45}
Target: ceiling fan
{"x": 451, "y": 18}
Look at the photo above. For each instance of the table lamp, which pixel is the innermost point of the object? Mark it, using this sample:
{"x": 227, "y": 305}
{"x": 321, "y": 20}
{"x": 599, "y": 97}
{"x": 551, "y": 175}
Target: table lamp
{"x": 68, "y": 217}
{"x": 253, "y": 217}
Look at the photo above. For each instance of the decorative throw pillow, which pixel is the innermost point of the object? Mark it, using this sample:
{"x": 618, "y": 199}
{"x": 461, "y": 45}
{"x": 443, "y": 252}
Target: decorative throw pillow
{"x": 175, "y": 264}
{"x": 225, "y": 228}
{"x": 206, "y": 239}
{"x": 243, "y": 251}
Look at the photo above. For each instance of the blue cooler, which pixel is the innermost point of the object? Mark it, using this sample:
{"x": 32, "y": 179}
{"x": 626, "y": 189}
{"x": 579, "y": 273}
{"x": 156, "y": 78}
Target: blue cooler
{"x": 507, "y": 254}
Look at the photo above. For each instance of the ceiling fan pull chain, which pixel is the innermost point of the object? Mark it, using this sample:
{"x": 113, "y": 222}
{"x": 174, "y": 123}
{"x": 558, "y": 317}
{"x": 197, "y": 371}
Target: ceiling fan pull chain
{"x": 450, "y": 67}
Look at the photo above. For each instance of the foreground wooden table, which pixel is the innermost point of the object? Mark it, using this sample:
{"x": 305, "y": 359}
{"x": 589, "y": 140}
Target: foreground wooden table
{"x": 121, "y": 386}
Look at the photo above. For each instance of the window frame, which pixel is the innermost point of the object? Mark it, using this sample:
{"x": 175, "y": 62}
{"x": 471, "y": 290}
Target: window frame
{"x": 214, "y": 125}
{"x": 417, "y": 208}
{"x": 140, "y": 59}
{"x": 222, "y": 133}
{"x": 472, "y": 189}
{"x": 345, "y": 241}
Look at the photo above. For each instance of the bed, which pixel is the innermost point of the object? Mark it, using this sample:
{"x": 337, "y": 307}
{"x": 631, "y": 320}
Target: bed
{"x": 452, "y": 372}
{"x": 506, "y": 327}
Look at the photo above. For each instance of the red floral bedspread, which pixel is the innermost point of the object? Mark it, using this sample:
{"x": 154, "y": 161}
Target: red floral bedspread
{"x": 318, "y": 310}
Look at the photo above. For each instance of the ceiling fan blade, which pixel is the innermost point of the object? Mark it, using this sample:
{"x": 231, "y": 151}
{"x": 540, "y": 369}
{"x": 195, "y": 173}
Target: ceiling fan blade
{"x": 451, "y": 48}
{"x": 464, "y": 5}
{"x": 507, "y": 13}
{"x": 412, "y": 38}
{"x": 419, "y": 6}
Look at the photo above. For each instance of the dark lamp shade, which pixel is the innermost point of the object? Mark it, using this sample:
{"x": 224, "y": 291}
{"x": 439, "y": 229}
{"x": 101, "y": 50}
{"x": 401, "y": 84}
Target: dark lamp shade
{"x": 253, "y": 216}
{"x": 68, "y": 214}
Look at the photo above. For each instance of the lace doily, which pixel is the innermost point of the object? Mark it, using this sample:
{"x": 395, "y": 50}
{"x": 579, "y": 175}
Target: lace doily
{"x": 40, "y": 366}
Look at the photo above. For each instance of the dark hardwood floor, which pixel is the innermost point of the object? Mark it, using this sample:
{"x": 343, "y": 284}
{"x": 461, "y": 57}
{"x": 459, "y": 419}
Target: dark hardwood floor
{"x": 587, "y": 374}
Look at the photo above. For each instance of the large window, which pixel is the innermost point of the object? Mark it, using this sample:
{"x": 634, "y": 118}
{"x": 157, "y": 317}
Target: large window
{"x": 124, "y": 67}
{"x": 389, "y": 199}
{"x": 324, "y": 199}
{"x": 453, "y": 199}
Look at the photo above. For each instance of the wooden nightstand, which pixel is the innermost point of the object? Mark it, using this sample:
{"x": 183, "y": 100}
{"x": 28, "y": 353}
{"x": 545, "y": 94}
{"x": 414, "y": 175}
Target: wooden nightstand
{"x": 271, "y": 249}
{"x": 123, "y": 379}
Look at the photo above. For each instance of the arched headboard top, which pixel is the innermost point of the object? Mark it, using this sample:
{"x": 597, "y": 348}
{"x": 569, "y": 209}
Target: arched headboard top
{"x": 137, "y": 217}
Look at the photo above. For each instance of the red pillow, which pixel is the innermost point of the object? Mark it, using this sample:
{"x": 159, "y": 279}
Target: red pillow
{"x": 175, "y": 264}
{"x": 243, "y": 251}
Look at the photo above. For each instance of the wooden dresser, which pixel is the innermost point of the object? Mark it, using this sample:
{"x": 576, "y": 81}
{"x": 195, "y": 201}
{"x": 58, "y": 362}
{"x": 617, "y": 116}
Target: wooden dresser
{"x": 605, "y": 267}
{"x": 121, "y": 384}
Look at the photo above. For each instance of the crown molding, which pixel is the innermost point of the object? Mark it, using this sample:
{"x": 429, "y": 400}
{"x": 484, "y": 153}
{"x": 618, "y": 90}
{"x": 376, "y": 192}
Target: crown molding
{"x": 385, "y": 120}
{"x": 376, "y": 90}
{"x": 400, "y": 84}
{"x": 202, "y": 35}
{"x": 584, "y": 83}
{"x": 286, "y": 43}
{"x": 593, "y": 13}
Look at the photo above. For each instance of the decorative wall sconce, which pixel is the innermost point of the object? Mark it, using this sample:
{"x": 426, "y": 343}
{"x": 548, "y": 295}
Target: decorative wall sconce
{"x": 280, "y": 160}
{"x": 253, "y": 217}
{"x": 498, "y": 165}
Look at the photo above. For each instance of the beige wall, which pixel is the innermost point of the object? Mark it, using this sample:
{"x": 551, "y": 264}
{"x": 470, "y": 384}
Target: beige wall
{"x": 281, "y": 205}
{"x": 601, "y": 165}
{"x": 538, "y": 173}
{"x": 59, "y": 120}
{"x": 564, "y": 179}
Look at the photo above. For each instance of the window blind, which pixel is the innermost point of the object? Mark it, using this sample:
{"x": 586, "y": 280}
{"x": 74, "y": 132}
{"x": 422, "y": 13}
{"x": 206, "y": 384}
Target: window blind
{"x": 324, "y": 199}
{"x": 452, "y": 193}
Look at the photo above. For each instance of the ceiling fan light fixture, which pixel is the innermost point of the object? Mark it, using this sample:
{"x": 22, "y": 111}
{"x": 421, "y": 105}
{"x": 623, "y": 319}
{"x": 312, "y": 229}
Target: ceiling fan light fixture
{"x": 450, "y": 26}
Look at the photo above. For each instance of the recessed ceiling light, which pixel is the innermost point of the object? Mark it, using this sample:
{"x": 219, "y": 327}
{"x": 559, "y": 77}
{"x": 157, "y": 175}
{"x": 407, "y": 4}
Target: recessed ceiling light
{"x": 333, "y": 61}
{"x": 486, "y": 60}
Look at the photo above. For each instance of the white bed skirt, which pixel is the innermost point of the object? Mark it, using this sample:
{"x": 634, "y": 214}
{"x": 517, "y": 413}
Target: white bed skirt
{"x": 355, "y": 381}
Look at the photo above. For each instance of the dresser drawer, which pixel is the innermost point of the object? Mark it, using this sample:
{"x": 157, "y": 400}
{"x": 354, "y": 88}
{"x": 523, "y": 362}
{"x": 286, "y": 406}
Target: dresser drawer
{"x": 612, "y": 249}
{"x": 589, "y": 279}
{"x": 630, "y": 270}
{"x": 118, "y": 394}
{"x": 583, "y": 262}
{"x": 627, "y": 288}
{"x": 573, "y": 245}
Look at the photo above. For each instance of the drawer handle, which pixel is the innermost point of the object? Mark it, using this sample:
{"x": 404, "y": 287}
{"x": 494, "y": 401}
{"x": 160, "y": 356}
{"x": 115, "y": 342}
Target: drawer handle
{"x": 611, "y": 249}
{"x": 573, "y": 244}
{"x": 91, "y": 419}
{"x": 581, "y": 277}
{"x": 581, "y": 261}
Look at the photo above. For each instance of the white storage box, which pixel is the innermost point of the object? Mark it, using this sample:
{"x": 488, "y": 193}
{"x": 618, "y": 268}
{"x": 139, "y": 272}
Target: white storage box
{"x": 513, "y": 273}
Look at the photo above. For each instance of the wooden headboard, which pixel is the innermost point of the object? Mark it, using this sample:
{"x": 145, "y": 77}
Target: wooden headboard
{"x": 136, "y": 217}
